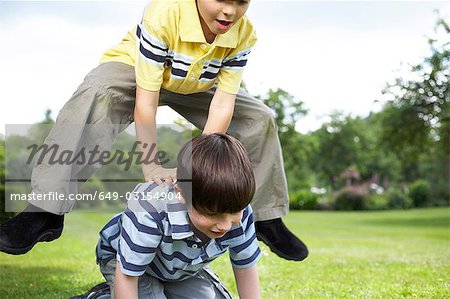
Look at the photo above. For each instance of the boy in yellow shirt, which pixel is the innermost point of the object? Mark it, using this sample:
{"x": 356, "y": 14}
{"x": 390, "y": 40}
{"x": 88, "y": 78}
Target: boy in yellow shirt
{"x": 189, "y": 55}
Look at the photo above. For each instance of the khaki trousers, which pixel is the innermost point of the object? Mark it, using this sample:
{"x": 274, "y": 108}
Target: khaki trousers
{"x": 205, "y": 285}
{"x": 103, "y": 106}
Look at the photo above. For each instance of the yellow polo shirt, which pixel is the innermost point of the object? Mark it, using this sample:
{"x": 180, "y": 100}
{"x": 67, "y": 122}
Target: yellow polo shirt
{"x": 168, "y": 50}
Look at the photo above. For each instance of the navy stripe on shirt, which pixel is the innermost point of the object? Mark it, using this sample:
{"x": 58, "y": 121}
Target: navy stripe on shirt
{"x": 140, "y": 227}
{"x": 176, "y": 254}
{"x": 244, "y": 245}
{"x": 112, "y": 222}
{"x": 138, "y": 33}
{"x": 107, "y": 248}
{"x": 135, "y": 247}
{"x": 208, "y": 75}
{"x": 113, "y": 237}
{"x": 249, "y": 222}
{"x": 130, "y": 266}
{"x": 176, "y": 228}
{"x": 232, "y": 234}
{"x": 178, "y": 72}
{"x": 248, "y": 260}
{"x": 155, "y": 269}
{"x": 150, "y": 55}
{"x": 234, "y": 63}
{"x": 174, "y": 270}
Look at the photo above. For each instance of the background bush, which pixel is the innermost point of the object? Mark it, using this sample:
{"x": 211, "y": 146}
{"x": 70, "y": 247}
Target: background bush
{"x": 420, "y": 192}
{"x": 377, "y": 202}
{"x": 398, "y": 199}
{"x": 351, "y": 198}
{"x": 304, "y": 200}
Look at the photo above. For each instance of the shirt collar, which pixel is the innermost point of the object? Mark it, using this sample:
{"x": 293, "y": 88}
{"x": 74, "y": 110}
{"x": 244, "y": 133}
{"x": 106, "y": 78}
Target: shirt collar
{"x": 191, "y": 30}
{"x": 178, "y": 217}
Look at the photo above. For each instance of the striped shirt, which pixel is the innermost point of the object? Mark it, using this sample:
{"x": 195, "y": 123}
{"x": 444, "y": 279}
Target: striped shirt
{"x": 154, "y": 236}
{"x": 168, "y": 50}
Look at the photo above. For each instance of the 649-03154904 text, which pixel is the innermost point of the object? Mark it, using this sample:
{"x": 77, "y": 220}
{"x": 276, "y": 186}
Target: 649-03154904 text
{"x": 97, "y": 195}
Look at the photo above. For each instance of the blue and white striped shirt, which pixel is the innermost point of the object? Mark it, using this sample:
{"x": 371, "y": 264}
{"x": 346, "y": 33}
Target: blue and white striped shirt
{"x": 154, "y": 235}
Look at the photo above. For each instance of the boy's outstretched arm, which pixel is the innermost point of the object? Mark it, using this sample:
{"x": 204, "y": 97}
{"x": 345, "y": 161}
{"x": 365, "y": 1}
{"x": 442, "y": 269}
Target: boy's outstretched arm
{"x": 125, "y": 287}
{"x": 220, "y": 112}
{"x": 145, "y": 121}
{"x": 247, "y": 282}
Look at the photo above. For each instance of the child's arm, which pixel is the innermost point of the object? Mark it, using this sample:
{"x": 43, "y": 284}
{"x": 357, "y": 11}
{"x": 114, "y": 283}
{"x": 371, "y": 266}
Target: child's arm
{"x": 125, "y": 286}
{"x": 247, "y": 282}
{"x": 220, "y": 112}
{"x": 145, "y": 120}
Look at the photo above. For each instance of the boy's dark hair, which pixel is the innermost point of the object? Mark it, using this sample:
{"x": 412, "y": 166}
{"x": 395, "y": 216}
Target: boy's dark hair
{"x": 215, "y": 174}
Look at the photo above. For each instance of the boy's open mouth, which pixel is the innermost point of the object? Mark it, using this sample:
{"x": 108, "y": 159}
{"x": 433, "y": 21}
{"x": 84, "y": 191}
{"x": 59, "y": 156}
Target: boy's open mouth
{"x": 223, "y": 24}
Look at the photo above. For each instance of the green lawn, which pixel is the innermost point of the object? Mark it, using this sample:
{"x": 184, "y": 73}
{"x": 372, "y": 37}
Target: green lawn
{"x": 393, "y": 254}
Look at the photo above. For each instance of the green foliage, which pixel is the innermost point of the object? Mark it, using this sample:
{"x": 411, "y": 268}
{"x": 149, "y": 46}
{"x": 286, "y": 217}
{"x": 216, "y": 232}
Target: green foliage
{"x": 342, "y": 143}
{"x": 398, "y": 199}
{"x": 287, "y": 109}
{"x": 296, "y": 148}
{"x": 416, "y": 122}
{"x": 304, "y": 200}
{"x": 420, "y": 192}
{"x": 112, "y": 178}
{"x": 351, "y": 198}
{"x": 3, "y": 215}
{"x": 377, "y": 202}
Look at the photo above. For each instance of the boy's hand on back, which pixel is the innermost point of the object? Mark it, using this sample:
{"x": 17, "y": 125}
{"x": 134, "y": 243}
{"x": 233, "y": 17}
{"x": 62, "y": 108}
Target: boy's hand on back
{"x": 158, "y": 174}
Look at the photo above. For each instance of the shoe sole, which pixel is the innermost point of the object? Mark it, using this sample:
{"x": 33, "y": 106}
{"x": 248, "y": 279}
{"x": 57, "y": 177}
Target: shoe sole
{"x": 47, "y": 236}
{"x": 261, "y": 237}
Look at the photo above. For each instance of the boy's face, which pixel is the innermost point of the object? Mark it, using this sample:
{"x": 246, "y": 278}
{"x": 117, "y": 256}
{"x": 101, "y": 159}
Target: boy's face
{"x": 218, "y": 16}
{"x": 214, "y": 226}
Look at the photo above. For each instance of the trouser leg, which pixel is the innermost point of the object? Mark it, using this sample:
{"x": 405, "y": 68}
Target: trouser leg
{"x": 205, "y": 284}
{"x": 148, "y": 287}
{"x": 254, "y": 125}
{"x": 98, "y": 111}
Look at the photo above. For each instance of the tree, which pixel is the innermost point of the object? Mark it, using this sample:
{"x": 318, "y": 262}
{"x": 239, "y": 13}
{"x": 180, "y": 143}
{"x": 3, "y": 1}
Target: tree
{"x": 3, "y": 216}
{"x": 340, "y": 145}
{"x": 287, "y": 111}
{"x": 416, "y": 122}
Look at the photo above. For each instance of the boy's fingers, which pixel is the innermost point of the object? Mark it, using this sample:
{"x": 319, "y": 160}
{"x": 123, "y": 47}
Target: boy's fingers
{"x": 162, "y": 175}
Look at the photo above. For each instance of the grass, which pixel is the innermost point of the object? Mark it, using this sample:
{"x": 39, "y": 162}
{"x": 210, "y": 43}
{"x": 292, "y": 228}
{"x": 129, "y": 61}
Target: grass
{"x": 391, "y": 254}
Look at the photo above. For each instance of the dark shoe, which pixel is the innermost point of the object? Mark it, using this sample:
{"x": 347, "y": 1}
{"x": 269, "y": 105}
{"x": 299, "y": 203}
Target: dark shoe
{"x": 18, "y": 235}
{"x": 280, "y": 240}
{"x": 100, "y": 291}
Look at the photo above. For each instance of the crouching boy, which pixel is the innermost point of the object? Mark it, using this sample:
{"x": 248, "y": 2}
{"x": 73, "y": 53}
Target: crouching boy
{"x": 160, "y": 247}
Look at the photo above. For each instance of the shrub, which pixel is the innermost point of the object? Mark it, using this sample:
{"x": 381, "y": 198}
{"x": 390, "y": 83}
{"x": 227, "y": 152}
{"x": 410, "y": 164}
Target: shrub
{"x": 377, "y": 202}
{"x": 351, "y": 198}
{"x": 293, "y": 202}
{"x": 398, "y": 199}
{"x": 326, "y": 202}
{"x": 420, "y": 193}
{"x": 304, "y": 200}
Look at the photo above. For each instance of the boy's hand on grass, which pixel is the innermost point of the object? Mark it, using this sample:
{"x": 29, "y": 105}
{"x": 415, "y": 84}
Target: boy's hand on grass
{"x": 160, "y": 174}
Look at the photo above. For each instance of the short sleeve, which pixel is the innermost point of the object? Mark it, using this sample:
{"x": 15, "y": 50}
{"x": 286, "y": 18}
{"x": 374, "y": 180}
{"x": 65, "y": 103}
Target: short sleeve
{"x": 152, "y": 51}
{"x": 140, "y": 236}
{"x": 246, "y": 252}
{"x": 230, "y": 75}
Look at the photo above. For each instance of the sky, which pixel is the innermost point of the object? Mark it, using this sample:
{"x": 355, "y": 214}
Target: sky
{"x": 333, "y": 56}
